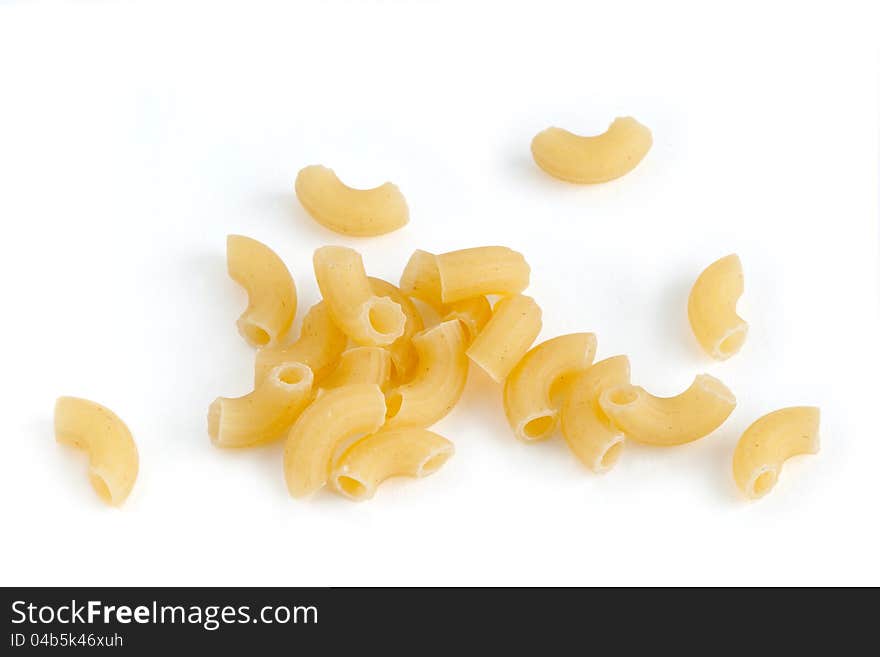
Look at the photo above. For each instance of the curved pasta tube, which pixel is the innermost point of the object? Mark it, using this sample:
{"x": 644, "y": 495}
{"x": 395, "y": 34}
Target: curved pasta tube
{"x": 369, "y": 320}
{"x": 421, "y": 278}
{"x": 597, "y": 159}
{"x": 265, "y": 414}
{"x": 531, "y": 412}
{"x": 412, "y": 452}
{"x": 587, "y": 429}
{"x": 513, "y": 327}
{"x": 270, "y": 288}
{"x": 357, "y": 212}
{"x": 361, "y": 365}
{"x": 481, "y": 270}
{"x": 769, "y": 442}
{"x": 667, "y": 421}
{"x": 473, "y": 313}
{"x": 403, "y": 353}
{"x": 712, "y": 308}
{"x": 319, "y": 345}
{"x": 330, "y": 422}
{"x": 439, "y": 380}
{"x": 113, "y": 456}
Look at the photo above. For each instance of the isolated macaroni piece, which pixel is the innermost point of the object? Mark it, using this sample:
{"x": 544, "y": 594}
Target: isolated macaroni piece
{"x": 769, "y": 442}
{"x": 357, "y": 212}
{"x": 531, "y": 412}
{"x": 329, "y": 425}
{"x": 265, "y": 414}
{"x": 421, "y": 278}
{"x": 666, "y": 421}
{"x": 585, "y": 160}
{"x": 438, "y": 382}
{"x": 319, "y": 345}
{"x": 479, "y": 271}
{"x": 270, "y": 288}
{"x": 411, "y": 452}
{"x": 369, "y": 320}
{"x": 513, "y": 327}
{"x": 403, "y": 353}
{"x": 587, "y": 430}
{"x": 712, "y": 308}
{"x": 361, "y": 365}
{"x": 113, "y": 456}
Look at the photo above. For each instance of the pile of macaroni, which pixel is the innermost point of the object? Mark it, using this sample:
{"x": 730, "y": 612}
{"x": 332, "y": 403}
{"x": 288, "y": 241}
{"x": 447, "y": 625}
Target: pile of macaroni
{"x": 355, "y": 395}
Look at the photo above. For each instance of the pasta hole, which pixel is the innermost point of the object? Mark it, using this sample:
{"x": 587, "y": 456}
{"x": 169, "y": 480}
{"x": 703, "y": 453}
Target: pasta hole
{"x": 732, "y": 343}
{"x": 539, "y": 427}
{"x": 350, "y": 486}
{"x": 764, "y": 483}
{"x": 611, "y": 455}
{"x": 622, "y": 396}
{"x": 256, "y": 336}
{"x": 290, "y": 375}
{"x": 386, "y": 317}
{"x": 101, "y": 487}
{"x": 433, "y": 463}
{"x": 392, "y": 405}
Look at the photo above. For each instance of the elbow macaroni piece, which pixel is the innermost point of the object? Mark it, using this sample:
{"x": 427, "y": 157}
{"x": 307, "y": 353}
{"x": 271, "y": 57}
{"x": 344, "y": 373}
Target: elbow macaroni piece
{"x": 403, "y": 353}
{"x": 266, "y": 413}
{"x": 369, "y": 320}
{"x": 439, "y": 379}
{"x": 319, "y": 346}
{"x": 528, "y": 403}
{"x": 361, "y": 365}
{"x": 356, "y": 212}
{"x": 412, "y": 452}
{"x": 513, "y": 327}
{"x": 113, "y": 456}
{"x": 328, "y": 425}
{"x": 769, "y": 442}
{"x": 421, "y": 278}
{"x": 587, "y": 160}
{"x": 587, "y": 430}
{"x": 270, "y": 288}
{"x": 667, "y": 421}
{"x": 712, "y": 308}
{"x": 479, "y": 271}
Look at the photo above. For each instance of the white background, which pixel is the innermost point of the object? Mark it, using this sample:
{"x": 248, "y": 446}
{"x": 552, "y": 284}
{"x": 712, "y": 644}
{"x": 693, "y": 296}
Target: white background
{"x": 135, "y": 135}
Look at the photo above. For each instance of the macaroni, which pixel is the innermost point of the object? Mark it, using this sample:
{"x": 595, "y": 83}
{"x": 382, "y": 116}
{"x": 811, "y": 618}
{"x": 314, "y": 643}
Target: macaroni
{"x": 403, "y": 354}
{"x": 421, "y": 278}
{"x": 319, "y": 345}
{"x": 329, "y": 424}
{"x": 266, "y": 413}
{"x": 369, "y": 320}
{"x": 270, "y": 288}
{"x": 712, "y": 308}
{"x": 361, "y": 365}
{"x": 438, "y": 382}
{"x": 513, "y": 327}
{"x": 412, "y": 452}
{"x": 585, "y": 160}
{"x": 357, "y": 212}
{"x": 531, "y": 412}
{"x": 113, "y": 456}
{"x": 482, "y": 270}
{"x": 473, "y": 313}
{"x": 665, "y": 421}
{"x": 769, "y": 442}
{"x": 587, "y": 429}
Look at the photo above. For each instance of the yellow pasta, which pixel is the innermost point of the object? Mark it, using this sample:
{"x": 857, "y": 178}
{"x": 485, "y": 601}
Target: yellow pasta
{"x": 270, "y": 288}
{"x": 361, "y": 365}
{"x": 473, "y": 313}
{"x": 265, "y": 414}
{"x": 113, "y": 456}
{"x": 369, "y": 320}
{"x": 439, "y": 380}
{"x": 421, "y": 278}
{"x": 319, "y": 345}
{"x": 513, "y": 327}
{"x": 403, "y": 353}
{"x": 479, "y": 271}
{"x": 587, "y": 429}
{"x": 531, "y": 411}
{"x": 357, "y": 212}
{"x": 329, "y": 425}
{"x": 597, "y": 159}
{"x": 712, "y": 308}
{"x": 666, "y": 421}
{"x": 411, "y": 452}
{"x": 769, "y": 442}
